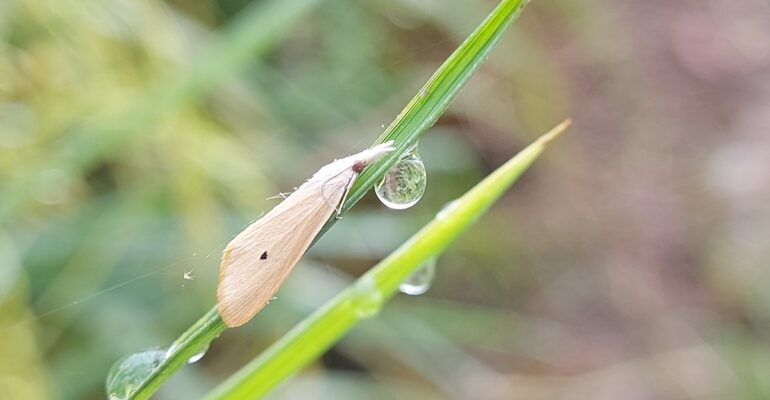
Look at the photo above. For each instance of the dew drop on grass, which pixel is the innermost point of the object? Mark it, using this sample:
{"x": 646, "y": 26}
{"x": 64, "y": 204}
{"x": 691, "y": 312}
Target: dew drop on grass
{"x": 421, "y": 280}
{"x": 194, "y": 358}
{"x": 129, "y": 372}
{"x": 197, "y": 356}
{"x": 404, "y": 184}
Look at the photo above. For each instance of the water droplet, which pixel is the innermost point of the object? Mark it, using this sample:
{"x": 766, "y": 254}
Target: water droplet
{"x": 421, "y": 280}
{"x": 367, "y": 299}
{"x": 129, "y": 372}
{"x": 404, "y": 184}
{"x": 197, "y": 356}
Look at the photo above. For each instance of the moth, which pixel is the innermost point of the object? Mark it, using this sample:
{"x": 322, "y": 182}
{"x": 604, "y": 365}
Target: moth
{"x": 257, "y": 261}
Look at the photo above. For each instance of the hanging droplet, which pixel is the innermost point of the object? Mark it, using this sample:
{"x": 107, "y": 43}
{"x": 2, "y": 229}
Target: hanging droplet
{"x": 197, "y": 356}
{"x": 129, "y": 372}
{"x": 404, "y": 184}
{"x": 421, "y": 280}
{"x": 194, "y": 358}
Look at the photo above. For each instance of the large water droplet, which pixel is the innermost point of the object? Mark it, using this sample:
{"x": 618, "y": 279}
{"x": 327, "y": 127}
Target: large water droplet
{"x": 367, "y": 299}
{"x": 129, "y": 372}
{"x": 404, "y": 184}
{"x": 421, "y": 280}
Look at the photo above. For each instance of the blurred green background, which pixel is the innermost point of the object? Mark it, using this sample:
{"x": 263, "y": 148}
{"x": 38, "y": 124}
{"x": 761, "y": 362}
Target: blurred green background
{"x": 138, "y": 136}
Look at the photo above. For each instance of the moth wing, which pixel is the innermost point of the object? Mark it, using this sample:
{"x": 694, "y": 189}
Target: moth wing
{"x": 257, "y": 261}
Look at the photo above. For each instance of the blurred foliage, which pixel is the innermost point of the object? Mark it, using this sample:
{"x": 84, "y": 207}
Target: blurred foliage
{"x": 632, "y": 263}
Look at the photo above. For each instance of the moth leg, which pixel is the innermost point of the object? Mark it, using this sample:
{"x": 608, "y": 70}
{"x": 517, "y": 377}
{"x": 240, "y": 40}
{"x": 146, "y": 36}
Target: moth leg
{"x": 344, "y": 196}
{"x": 337, "y": 205}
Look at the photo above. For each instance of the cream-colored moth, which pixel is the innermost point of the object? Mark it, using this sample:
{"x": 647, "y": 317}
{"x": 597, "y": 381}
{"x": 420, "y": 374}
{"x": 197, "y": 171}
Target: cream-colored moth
{"x": 257, "y": 261}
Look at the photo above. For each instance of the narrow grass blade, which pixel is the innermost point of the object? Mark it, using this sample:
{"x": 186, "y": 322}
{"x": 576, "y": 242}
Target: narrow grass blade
{"x": 318, "y": 332}
{"x": 413, "y": 121}
{"x": 436, "y": 95}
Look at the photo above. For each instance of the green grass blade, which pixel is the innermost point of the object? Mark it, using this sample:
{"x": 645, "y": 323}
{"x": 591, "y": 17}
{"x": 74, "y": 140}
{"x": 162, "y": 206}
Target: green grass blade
{"x": 413, "y": 121}
{"x": 201, "y": 333}
{"x": 436, "y": 95}
{"x": 318, "y": 332}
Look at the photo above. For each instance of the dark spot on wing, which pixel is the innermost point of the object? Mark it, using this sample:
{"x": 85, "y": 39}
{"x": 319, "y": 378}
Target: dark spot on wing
{"x": 263, "y": 256}
{"x": 358, "y": 167}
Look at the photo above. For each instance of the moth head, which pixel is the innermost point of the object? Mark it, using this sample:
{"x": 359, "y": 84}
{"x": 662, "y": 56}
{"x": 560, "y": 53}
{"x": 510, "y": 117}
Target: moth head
{"x": 371, "y": 155}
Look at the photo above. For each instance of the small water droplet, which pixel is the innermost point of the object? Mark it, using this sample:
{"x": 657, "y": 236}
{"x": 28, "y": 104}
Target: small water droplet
{"x": 367, "y": 299}
{"x": 194, "y": 358}
{"x": 197, "y": 356}
{"x": 382, "y": 126}
{"x": 129, "y": 372}
{"x": 421, "y": 280}
{"x": 404, "y": 184}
